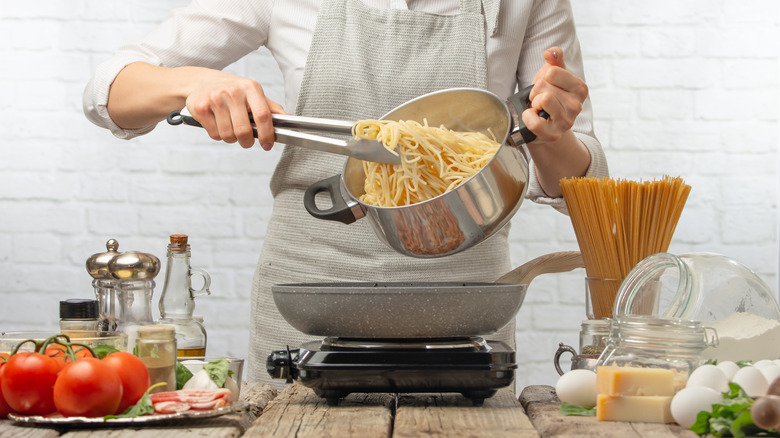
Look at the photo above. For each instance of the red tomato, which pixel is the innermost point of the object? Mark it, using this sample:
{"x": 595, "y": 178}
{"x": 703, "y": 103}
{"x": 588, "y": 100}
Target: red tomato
{"x": 134, "y": 376}
{"x": 87, "y": 387}
{"x": 4, "y": 408}
{"x": 28, "y": 379}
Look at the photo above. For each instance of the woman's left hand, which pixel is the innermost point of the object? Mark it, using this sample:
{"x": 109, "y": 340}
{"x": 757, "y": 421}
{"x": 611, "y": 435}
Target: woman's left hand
{"x": 559, "y": 93}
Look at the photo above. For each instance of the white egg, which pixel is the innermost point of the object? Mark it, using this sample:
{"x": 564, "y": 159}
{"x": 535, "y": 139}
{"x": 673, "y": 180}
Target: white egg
{"x": 763, "y": 363}
{"x": 710, "y": 376}
{"x": 577, "y": 387}
{"x": 771, "y": 372}
{"x": 729, "y": 368}
{"x": 751, "y": 380}
{"x": 777, "y": 362}
{"x": 688, "y": 402}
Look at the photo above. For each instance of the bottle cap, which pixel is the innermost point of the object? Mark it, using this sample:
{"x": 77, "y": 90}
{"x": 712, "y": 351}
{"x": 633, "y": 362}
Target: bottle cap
{"x": 97, "y": 264}
{"x": 179, "y": 243}
{"x": 77, "y": 308}
{"x": 134, "y": 265}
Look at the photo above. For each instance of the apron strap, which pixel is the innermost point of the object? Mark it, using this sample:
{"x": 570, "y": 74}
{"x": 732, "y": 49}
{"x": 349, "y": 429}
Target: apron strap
{"x": 492, "y": 8}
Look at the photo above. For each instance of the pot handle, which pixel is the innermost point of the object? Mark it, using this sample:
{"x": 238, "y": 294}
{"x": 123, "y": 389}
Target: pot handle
{"x": 517, "y": 103}
{"x": 340, "y": 211}
{"x": 562, "y": 261}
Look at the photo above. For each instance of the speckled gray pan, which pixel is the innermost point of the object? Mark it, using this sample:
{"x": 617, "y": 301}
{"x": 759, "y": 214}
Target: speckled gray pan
{"x": 413, "y": 309}
{"x": 398, "y": 310}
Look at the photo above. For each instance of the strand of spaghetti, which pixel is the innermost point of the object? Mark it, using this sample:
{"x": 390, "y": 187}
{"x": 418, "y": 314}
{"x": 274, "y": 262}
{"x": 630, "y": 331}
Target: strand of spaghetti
{"x": 434, "y": 160}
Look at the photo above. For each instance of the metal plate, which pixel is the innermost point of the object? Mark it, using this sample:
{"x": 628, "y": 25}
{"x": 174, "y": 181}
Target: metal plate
{"x": 59, "y": 420}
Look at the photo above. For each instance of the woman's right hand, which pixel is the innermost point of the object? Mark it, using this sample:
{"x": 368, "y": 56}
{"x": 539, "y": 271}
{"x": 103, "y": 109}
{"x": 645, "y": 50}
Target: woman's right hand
{"x": 222, "y": 103}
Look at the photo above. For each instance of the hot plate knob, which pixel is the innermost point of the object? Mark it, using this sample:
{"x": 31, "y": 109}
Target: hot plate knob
{"x": 281, "y": 364}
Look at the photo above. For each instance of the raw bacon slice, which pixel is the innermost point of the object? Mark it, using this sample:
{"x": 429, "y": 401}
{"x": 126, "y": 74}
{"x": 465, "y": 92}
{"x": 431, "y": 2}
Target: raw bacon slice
{"x": 191, "y": 399}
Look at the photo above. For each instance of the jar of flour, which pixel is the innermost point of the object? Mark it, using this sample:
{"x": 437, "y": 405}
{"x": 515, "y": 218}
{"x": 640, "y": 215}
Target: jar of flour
{"x": 716, "y": 290}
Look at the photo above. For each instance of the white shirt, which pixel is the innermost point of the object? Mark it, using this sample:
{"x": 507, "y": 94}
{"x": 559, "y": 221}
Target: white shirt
{"x": 216, "y": 33}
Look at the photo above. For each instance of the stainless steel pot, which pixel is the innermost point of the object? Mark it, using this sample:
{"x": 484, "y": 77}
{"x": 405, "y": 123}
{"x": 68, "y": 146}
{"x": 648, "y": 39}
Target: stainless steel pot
{"x": 460, "y": 218}
{"x": 413, "y": 309}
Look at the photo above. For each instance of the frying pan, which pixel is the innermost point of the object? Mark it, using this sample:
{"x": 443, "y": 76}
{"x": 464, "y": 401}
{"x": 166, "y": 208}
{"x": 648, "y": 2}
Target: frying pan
{"x": 397, "y": 310}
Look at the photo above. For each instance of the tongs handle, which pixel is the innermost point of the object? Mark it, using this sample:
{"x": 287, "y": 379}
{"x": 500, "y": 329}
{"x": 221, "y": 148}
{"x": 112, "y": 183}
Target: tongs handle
{"x": 279, "y": 121}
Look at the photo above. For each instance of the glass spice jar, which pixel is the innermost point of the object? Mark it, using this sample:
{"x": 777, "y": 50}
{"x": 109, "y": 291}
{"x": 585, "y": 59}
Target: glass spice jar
{"x": 156, "y": 347}
{"x": 647, "y": 341}
{"x": 593, "y": 336}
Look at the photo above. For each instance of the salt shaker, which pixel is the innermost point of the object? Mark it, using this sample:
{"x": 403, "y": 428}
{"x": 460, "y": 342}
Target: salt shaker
{"x": 135, "y": 272}
{"x": 156, "y": 347}
{"x": 105, "y": 285}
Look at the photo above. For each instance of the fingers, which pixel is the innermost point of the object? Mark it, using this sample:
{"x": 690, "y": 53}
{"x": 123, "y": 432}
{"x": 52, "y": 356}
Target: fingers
{"x": 554, "y": 57}
{"x": 558, "y": 92}
{"x": 223, "y": 107}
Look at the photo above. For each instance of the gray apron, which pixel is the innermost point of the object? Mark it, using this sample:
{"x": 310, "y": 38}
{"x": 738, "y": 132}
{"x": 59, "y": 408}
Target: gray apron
{"x": 362, "y": 63}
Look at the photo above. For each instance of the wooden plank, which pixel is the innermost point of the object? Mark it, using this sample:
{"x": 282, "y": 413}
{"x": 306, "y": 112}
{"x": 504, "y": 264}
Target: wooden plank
{"x": 9, "y": 429}
{"x": 298, "y": 412}
{"x": 542, "y": 406}
{"x": 449, "y": 415}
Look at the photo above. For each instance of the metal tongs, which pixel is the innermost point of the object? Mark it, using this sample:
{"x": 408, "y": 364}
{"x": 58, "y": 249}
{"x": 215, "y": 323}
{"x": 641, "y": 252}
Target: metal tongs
{"x": 286, "y": 130}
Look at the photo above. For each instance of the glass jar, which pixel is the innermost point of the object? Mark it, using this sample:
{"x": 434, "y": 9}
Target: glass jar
{"x": 697, "y": 286}
{"x": 593, "y": 336}
{"x": 79, "y": 317}
{"x": 648, "y": 341}
{"x": 156, "y": 347}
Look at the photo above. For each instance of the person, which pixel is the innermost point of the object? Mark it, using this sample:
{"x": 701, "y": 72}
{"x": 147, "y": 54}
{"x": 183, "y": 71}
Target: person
{"x": 351, "y": 60}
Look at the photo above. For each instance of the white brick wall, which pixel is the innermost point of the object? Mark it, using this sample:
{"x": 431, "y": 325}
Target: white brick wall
{"x": 679, "y": 88}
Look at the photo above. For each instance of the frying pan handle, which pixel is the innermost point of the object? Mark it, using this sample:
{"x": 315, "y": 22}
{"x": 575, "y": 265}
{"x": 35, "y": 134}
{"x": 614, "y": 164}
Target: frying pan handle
{"x": 562, "y": 261}
{"x": 341, "y": 211}
{"x": 517, "y": 103}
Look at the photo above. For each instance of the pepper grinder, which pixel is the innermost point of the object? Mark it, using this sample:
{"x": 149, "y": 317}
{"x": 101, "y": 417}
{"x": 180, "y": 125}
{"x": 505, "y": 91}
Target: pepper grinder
{"x": 105, "y": 285}
{"x": 135, "y": 272}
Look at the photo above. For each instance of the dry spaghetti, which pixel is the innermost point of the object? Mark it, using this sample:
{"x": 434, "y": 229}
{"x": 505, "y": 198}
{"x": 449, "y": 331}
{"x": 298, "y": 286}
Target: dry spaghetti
{"x": 433, "y": 160}
{"x": 618, "y": 223}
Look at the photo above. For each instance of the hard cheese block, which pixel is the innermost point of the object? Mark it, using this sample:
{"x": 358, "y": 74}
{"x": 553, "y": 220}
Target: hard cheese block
{"x": 634, "y": 381}
{"x": 648, "y": 409}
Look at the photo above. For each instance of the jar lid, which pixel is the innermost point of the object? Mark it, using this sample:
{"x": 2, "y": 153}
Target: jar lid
{"x": 134, "y": 265}
{"x": 97, "y": 264}
{"x": 156, "y": 331}
{"x": 179, "y": 243}
{"x": 77, "y": 308}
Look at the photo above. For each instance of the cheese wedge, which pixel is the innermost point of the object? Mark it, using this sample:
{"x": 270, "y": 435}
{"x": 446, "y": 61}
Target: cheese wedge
{"x": 628, "y": 381}
{"x": 647, "y": 409}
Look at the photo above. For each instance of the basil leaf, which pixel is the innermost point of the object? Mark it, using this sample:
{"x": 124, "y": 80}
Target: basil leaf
{"x": 142, "y": 407}
{"x": 103, "y": 350}
{"x": 569, "y": 409}
{"x": 218, "y": 371}
{"x": 183, "y": 374}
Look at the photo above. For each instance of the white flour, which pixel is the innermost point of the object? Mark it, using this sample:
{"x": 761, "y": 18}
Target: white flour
{"x": 744, "y": 336}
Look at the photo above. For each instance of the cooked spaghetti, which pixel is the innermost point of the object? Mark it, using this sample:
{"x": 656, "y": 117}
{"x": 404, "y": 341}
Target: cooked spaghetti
{"x": 433, "y": 160}
{"x": 618, "y": 223}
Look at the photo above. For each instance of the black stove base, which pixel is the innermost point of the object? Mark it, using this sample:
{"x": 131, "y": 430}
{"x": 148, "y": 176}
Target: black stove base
{"x": 334, "y": 373}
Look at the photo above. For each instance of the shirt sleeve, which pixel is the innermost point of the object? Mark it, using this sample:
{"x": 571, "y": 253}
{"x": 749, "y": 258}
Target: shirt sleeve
{"x": 206, "y": 33}
{"x": 552, "y": 24}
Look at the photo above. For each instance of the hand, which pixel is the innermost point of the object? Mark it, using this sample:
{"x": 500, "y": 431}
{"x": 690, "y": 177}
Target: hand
{"x": 558, "y": 92}
{"x": 221, "y": 102}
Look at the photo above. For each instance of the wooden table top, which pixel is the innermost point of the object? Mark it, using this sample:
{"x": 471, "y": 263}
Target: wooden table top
{"x": 298, "y": 412}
